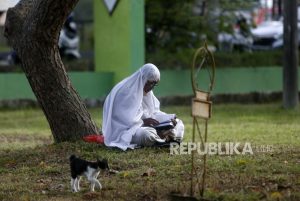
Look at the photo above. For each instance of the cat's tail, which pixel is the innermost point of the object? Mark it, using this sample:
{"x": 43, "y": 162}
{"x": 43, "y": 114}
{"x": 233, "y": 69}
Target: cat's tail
{"x": 72, "y": 157}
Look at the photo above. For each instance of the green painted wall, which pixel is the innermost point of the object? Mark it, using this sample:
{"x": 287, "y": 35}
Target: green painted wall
{"x": 119, "y": 39}
{"x": 244, "y": 80}
{"x": 228, "y": 81}
{"x": 14, "y": 86}
{"x": 92, "y": 84}
{"x": 173, "y": 82}
{"x": 88, "y": 85}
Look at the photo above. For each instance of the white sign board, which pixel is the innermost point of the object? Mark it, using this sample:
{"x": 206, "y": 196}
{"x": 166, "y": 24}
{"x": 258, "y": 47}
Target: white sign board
{"x": 110, "y": 5}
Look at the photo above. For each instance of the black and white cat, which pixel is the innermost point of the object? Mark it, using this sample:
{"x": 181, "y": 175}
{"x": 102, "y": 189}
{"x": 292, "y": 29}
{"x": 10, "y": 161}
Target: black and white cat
{"x": 90, "y": 170}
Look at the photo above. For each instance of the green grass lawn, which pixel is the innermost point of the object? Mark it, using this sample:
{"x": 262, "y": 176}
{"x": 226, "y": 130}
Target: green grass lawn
{"x": 33, "y": 168}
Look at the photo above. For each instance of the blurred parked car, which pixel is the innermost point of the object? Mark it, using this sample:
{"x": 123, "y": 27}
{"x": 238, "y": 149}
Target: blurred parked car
{"x": 234, "y": 42}
{"x": 239, "y": 40}
{"x": 269, "y": 35}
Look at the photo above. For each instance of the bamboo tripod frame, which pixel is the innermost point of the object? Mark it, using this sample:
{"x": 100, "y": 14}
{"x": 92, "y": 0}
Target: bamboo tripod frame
{"x": 201, "y": 109}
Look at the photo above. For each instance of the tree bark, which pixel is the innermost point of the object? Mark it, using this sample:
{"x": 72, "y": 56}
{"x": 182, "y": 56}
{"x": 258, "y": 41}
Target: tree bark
{"x": 290, "y": 67}
{"x": 32, "y": 27}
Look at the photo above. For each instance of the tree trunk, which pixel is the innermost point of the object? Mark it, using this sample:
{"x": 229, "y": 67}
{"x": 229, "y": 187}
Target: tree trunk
{"x": 32, "y": 27}
{"x": 290, "y": 64}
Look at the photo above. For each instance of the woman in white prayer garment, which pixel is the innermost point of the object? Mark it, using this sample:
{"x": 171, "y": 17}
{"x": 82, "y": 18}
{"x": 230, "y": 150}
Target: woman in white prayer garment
{"x": 131, "y": 112}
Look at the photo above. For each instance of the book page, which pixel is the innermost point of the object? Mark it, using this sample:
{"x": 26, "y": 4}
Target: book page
{"x": 164, "y": 117}
{"x": 164, "y": 126}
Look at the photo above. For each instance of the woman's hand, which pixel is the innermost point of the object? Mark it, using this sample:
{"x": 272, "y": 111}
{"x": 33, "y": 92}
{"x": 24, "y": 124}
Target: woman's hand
{"x": 174, "y": 121}
{"x": 150, "y": 122}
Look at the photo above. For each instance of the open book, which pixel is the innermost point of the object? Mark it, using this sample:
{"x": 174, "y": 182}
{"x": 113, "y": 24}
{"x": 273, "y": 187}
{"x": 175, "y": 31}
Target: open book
{"x": 165, "y": 121}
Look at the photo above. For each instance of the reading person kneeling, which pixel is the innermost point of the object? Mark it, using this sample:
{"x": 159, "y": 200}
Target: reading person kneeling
{"x": 132, "y": 116}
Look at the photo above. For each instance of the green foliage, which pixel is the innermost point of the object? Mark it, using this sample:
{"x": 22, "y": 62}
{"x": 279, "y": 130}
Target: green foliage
{"x": 84, "y": 10}
{"x": 171, "y": 25}
{"x": 165, "y": 60}
{"x": 248, "y": 59}
{"x": 234, "y": 5}
{"x": 175, "y": 30}
{"x": 222, "y": 15}
{"x": 183, "y": 59}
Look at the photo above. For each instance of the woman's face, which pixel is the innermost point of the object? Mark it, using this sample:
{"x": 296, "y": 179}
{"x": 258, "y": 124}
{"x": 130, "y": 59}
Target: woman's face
{"x": 150, "y": 85}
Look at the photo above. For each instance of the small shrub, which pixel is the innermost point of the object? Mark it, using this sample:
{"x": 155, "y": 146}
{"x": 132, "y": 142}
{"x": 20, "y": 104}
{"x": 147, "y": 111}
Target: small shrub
{"x": 182, "y": 59}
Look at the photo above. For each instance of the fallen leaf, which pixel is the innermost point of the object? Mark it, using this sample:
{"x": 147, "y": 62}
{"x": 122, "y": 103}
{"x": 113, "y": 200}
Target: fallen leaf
{"x": 59, "y": 187}
{"x": 276, "y": 195}
{"x": 91, "y": 195}
{"x": 241, "y": 162}
{"x": 42, "y": 164}
{"x": 11, "y": 164}
{"x": 125, "y": 174}
{"x": 150, "y": 172}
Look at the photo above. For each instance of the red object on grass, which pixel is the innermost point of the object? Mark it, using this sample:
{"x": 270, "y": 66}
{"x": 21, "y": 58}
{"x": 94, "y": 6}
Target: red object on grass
{"x": 94, "y": 138}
